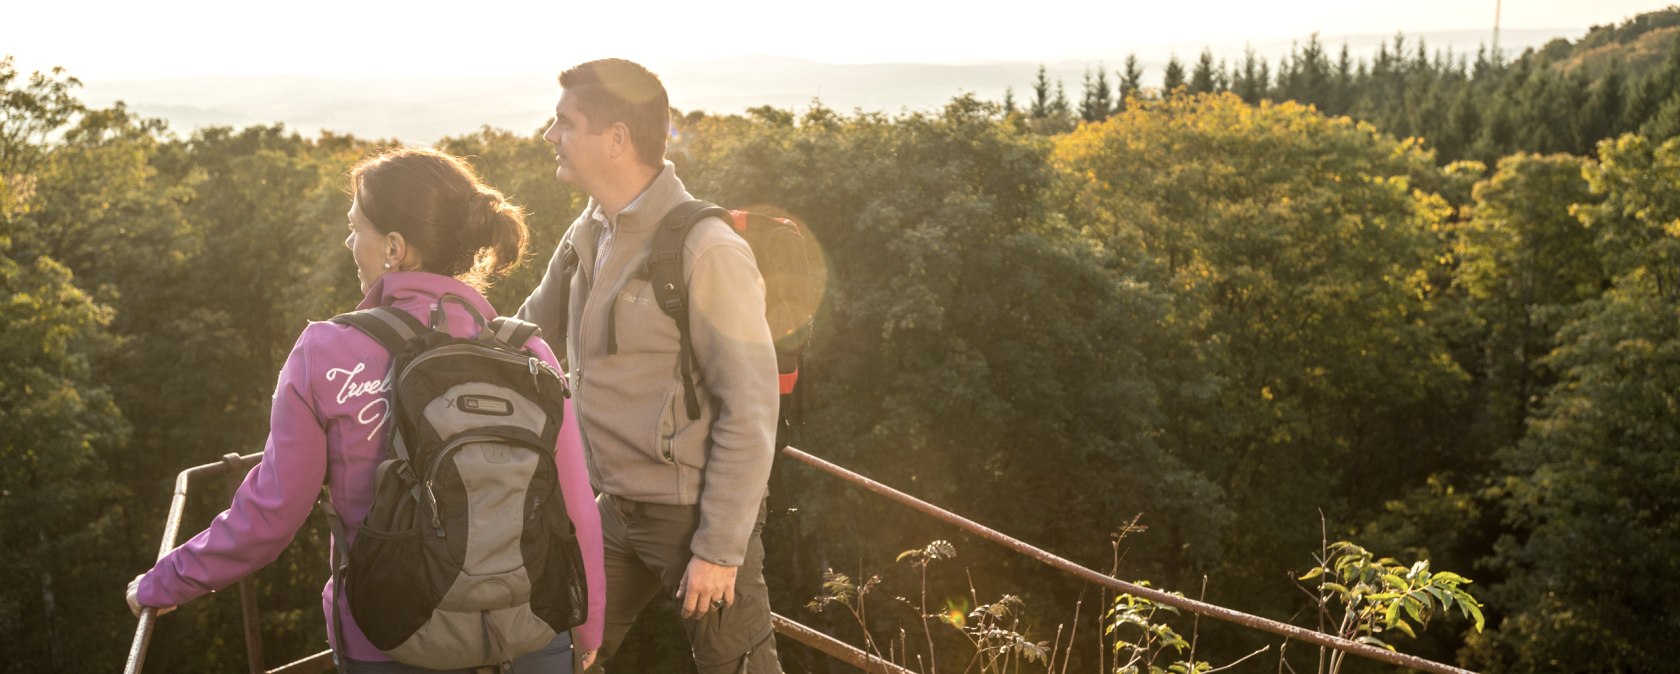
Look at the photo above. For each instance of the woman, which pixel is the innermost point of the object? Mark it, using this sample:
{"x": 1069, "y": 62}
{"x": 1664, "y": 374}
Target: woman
{"x": 422, "y": 225}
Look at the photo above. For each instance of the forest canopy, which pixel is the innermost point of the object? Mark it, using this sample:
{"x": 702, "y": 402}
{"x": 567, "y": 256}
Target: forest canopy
{"x": 1432, "y": 299}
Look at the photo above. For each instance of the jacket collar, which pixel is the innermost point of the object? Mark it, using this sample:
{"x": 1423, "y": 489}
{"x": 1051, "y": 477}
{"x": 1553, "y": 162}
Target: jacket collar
{"x": 645, "y": 211}
{"x": 411, "y": 289}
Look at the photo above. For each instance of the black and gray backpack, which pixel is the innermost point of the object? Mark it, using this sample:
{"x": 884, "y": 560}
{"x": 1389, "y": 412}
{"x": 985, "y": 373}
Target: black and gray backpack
{"x": 778, "y": 246}
{"x": 467, "y": 557}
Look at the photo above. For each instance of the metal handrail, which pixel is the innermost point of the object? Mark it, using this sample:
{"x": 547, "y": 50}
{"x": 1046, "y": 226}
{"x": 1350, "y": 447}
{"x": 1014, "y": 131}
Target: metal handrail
{"x": 171, "y": 530}
{"x": 834, "y": 648}
{"x": 1158, "y": 596}
{"x": 232, "y": 464}
{"x": 250, "y": 617}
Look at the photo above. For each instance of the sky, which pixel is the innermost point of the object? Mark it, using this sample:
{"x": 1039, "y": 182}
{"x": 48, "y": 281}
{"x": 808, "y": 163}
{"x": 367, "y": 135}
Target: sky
{"x": 105, "y": 40}
{"x": 421, "y": 70}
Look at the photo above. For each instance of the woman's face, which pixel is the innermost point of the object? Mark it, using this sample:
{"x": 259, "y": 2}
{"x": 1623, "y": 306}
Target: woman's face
{"x": 367, "y": 246}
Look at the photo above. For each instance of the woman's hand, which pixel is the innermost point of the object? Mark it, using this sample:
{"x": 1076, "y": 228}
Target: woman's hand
{"x": 134, "y": 598}
{"x": 588, "y": 659}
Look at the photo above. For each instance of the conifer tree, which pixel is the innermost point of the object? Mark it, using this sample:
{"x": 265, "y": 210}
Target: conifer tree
{"x": 1603, "y": 114}
{"x": 1041, "y": 95}
{"x": 1484, "y": 66}
{"x": 1310, "y": 80}
{"x": 1174, "y": 76}
{"x": 1131, "y": 80}
{"x": 1341, "y": 84}
{"x": 1201, "y": 78}
{"x": 1463, "y": 123}
{"x": 1059, "y": 106}
{"x": 1096, "y": 102}
{"x": 1658, "y": 86}
{"x": 1105, "y": 92}
{"x": 1250, "y": 82}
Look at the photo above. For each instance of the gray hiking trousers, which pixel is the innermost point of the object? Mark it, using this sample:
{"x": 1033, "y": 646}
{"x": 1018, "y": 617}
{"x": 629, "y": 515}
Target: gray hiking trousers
{"x": 646, "y": 550}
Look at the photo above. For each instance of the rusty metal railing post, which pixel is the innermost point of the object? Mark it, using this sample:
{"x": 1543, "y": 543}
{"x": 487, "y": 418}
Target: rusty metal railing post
{"x": 142, "y": 640}
{"x": 1158, "y": 596}
{"x": 834, "y": 648}
{"x": 247, "y": 587}
{"x": 171, "y": 531}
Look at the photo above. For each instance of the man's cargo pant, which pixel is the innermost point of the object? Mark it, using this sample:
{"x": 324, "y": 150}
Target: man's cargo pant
{"x": 646, "y": 550}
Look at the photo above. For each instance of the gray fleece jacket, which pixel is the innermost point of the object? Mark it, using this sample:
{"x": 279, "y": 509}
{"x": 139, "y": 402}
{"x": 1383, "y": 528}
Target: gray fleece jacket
{"x": 638, "y": 439}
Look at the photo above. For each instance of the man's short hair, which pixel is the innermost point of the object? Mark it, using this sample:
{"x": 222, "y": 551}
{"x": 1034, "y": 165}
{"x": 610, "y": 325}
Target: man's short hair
{"x": 610, "y": 91}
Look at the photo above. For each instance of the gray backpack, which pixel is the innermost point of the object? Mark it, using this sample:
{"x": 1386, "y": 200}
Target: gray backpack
{"x": 467, "y": 557}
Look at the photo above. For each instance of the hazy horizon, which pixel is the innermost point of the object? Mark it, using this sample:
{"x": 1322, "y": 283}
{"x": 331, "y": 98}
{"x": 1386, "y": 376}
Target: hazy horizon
{"x": 197, "y": 63}
{"x": 106, "y": 40}
{"x": 423, "y": 109}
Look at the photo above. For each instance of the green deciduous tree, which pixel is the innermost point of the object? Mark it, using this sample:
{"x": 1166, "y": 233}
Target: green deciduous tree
{"x": 60, "y": 514}
{"x": 1591, "y": 492}
{"x": 30, "y": 112}
{"x": 63, "y": 546}
{"x": 1524, "y": 260}
{"x": 1298, "y": 251}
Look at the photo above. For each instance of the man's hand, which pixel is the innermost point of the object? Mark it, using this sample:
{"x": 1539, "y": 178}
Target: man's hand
{"x": 133, "y": 596}
{"x": 705, "y": 586}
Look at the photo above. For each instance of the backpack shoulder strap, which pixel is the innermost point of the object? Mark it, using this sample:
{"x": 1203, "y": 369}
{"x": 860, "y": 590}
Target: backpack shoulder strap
{"x": 670, "y": 287}
{"x": 667, "y": 248}
{"x": 340, "y": 564}
{"x": 568, "y": 269}
{"x": 390, "y": 326}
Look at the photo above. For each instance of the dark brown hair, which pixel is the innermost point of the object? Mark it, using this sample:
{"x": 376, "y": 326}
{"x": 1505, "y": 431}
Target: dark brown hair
{"x": 461, "y": 226}
{"x": 615, "y": 90}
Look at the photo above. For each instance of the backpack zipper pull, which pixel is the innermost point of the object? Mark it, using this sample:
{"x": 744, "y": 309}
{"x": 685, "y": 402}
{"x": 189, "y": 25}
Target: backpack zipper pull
{"x": 431, "y": 499}
{"x": 539, "y": 366}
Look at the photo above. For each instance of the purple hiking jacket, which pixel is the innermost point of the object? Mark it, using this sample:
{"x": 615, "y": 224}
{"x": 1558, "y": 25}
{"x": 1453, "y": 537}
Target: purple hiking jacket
{"x": 327, "y": 426}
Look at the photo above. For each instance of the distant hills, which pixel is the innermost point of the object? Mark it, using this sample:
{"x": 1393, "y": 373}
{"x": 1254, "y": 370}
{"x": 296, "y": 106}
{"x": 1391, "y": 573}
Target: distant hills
{"x": 419, "y": 109}
{"x": 1636, "y": 44}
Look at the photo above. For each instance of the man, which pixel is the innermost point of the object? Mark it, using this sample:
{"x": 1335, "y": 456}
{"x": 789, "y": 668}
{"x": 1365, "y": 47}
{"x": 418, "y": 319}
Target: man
{"x": 681, "y": 499}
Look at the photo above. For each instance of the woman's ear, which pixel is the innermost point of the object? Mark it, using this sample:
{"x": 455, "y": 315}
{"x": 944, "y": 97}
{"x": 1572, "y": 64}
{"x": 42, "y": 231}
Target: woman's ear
{"x": 400, "y": 255}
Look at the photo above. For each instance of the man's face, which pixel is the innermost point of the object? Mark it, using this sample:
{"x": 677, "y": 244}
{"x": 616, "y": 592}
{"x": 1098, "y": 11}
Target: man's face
{"x": 580, "y": 152}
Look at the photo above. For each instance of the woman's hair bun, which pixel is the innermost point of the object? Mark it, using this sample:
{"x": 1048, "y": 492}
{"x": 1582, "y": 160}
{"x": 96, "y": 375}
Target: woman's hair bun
{"x": 461, "y": 226}
{"x": 484, "y": 208}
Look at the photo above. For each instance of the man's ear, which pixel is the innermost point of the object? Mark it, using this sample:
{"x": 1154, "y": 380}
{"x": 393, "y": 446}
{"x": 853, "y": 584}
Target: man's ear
{"x": 618, "y": 140}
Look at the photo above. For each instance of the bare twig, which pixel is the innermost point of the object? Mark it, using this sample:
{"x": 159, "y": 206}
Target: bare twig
{"x": 1075, "y": 630}
{"x": 1050, "y": 665}
{"x": 1111, "y": 583}
{"x": 1196, "y": 623}
{"x": 1263, "y": 649}
{"x": 1323, "y": 601}
{"x": 926, "y": 630}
